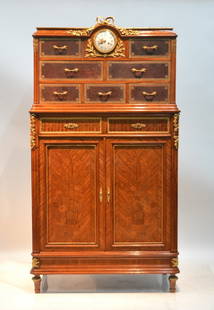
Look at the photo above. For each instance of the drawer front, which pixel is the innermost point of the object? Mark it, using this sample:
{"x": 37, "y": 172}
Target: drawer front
{"x": 137, "y": 70}
{"x": 71, "y": 70}
{"x": 60, "y": 93}
{"x": 104, "y": 93}
{"x": 138, "y": 124}
{"x": 154, "y": 47}
{"x": 68, "y": 124}
{"x": 60, "y": 47}
{"x": 144, "y": 93}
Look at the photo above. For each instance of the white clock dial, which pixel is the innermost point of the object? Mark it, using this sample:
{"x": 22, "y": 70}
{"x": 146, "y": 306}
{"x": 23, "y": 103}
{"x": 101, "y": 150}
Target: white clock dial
{"x": 105, "y": 41}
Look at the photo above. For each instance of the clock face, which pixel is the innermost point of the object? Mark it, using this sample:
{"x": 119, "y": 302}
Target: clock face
{"x": 105, "y": 41}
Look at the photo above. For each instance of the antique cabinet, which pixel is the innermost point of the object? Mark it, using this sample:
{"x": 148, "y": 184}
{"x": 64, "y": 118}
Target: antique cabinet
{"x": 104, "y": 139}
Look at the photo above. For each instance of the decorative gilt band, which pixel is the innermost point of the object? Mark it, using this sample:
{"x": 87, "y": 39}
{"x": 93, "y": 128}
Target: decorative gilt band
{"x": 35, "y": 262}
{"x": 104, "y": 21}
{"x": 174, "y": 262}
{"x": 33, "y": 131}
{"x": 35, "y": 42}
{"x": 176, "y": 130}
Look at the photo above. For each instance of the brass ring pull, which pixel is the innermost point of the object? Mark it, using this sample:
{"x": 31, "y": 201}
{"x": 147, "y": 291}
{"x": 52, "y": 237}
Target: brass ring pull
{"x": 71, "y": 126}
{"x": 108, "y": 93}
{"x": 145, "y": 93}
{"x": 64, "y": 47}
{"x": 139, "y": 70}
{"x": 138, "y": 126}
{"x": 150, "y": 48}
{"x": 71, "y": 70}
{"x": 63, "y": 93}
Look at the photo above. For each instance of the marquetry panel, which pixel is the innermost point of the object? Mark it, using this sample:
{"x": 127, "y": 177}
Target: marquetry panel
{"x": 71, "y": 70}
{"x": 140, "y": 181}
{"x": 148, "y": 47}
{"x": 138, "y": 124}
{"x": 60, "y": 93}
{"x": 105, "y": 93}
{"x": 70, "y": 124}
{"x": 148, "y": 93}
{"x": 60, "y": 47}
{"x": 70, "y": 191}
{"x": 137, "y": 70}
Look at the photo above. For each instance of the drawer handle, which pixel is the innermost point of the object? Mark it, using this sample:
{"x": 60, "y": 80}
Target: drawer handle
{"x": 70, "y": 72}
{"x": 60, "y": 95}
{"x": 71, "y": 126}
{"x": 138, "y": 72}
{"x": 150, "y": 48}
{"x": 104, "y": 95}
{"x": 64, "y": 47}
{"x": 138, "y": 125}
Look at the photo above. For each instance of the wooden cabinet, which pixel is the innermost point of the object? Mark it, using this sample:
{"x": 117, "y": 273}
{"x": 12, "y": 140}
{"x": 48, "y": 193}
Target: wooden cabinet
{"x": 104, "y": 140}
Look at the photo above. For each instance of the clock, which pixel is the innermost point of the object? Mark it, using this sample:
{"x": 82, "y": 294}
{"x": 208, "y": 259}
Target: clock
{"x": 105, "y": 41}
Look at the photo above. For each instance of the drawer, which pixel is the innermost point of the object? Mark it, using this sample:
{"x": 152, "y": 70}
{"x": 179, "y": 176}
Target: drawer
{"x": 60, "y": 47}
{"x": 71, "y": 70}
{"x": 138, "y": 124}
{"x": 152, "y": 93}
{"x": 149, "y": 47}
{"x": 104, "y": 93}
{"x": 137, "y": 70}
{"x": 68, "y": 124}
{"x": 60, "y": 93}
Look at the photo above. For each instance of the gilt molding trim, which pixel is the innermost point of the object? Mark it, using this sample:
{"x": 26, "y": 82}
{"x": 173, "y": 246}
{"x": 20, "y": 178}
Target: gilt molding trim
{"x": 109, "y": 21}
{"x": 117, "y": 52}
{"x": 35, "y": 42}
{"x": 176, "y": 130}
{"x": 35, "y": 262}
{"x": 174, "y": 262}
{"x": 33, "y": 131}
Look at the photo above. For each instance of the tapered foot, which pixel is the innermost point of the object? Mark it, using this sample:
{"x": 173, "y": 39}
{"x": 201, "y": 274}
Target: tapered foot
{"x": 172, "y": 283}
{"x": 37, "y": 282}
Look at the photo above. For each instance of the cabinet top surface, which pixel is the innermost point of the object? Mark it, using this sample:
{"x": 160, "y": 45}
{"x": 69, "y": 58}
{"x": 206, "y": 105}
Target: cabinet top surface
{"x": 108, "y": 22}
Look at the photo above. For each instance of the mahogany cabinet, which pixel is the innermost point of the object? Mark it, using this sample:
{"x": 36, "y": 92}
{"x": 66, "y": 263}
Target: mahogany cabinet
{"x": 104, "y": 140}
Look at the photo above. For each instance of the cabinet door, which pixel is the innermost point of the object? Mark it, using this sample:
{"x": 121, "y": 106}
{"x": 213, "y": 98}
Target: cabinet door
{"x": 138, "y": 191}
{"x": 70, "y": 206}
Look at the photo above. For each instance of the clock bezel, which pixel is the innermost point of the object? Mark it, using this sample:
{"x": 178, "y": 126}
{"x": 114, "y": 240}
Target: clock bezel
{"x": 97, "y": 47}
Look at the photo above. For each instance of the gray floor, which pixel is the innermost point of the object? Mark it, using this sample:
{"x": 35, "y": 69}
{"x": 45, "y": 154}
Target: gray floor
{"x": 195, "y": 289}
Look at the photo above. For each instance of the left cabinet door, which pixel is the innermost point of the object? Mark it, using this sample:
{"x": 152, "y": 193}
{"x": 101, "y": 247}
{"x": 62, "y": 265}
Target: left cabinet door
{"x": 71, "y": 207}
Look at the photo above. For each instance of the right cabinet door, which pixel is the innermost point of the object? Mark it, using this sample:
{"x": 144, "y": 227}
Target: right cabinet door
{"x": 138, "y": 194}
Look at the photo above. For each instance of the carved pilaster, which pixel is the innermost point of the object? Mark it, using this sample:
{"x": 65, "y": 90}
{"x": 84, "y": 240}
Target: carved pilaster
{"x": 33, "y": 131}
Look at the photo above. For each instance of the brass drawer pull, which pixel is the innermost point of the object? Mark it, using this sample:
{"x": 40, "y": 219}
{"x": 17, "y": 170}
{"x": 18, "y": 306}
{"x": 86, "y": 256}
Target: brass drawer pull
{"x": 139, "y": 70}
{"x": 64, "y": 47}
{"x": 71, "y": 126}
{"x": 138, "y": 126}
{"x": 150, "y": 48}
{"x": 63, "y": 93}
{"x": 108, "y": 93}
{"x": 145, "y": 93}
{"x": 71, "y": 70}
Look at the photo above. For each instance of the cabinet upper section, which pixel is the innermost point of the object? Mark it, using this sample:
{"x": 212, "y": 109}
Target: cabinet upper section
{"x": 105, "y": 67}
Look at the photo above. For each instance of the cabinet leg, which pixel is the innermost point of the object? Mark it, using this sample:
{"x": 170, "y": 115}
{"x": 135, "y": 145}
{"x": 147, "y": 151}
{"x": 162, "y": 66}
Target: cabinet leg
{"x": 37, "y": 281}
{"x": 172, "y": 283}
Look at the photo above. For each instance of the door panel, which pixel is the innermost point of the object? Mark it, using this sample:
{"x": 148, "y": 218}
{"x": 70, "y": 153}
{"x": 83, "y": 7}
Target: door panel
{"x": 138, "y": 176}
{"x": 72, "y": 182}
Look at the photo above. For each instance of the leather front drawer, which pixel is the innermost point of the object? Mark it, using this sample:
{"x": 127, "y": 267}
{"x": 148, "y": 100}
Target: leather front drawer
{"x": 138, "y": 124}
{"x": 144, "y": 93}
{"x": 60, "y": 93}
{"x": 68, "y": 124}
{"x": 149, "y": 47}
{"x": 71, "y": 70}
{"x": 137, "y": 70}
{"x": 60, "y": 47}
{"x": 104, "y": 93}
